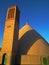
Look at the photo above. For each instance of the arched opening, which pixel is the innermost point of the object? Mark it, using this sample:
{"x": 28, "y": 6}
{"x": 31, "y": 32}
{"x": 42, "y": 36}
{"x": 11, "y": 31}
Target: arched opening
{"x": 4, "y": 59}
{"x": 44, "y": 60}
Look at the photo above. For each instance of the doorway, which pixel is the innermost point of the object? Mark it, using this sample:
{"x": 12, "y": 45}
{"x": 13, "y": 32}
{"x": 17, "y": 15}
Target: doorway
{"x": 4, "y": 59}
{"x": 45, "y": 61}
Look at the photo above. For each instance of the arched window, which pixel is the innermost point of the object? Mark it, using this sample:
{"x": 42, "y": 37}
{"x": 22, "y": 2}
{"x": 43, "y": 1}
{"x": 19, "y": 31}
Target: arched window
{"x": 4, "y": 59}
{"x": 45, "y": 61}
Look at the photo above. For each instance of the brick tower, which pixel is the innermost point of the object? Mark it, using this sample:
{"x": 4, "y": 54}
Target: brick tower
{"x": 10, "y": 38}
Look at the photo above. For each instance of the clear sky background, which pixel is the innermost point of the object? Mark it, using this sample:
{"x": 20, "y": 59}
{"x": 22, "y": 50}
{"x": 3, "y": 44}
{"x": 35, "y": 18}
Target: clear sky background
{"x": 36, "y": 12}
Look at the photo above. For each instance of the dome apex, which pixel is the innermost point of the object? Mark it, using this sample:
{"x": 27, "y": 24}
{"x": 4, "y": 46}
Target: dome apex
{"x": 27, "y": 23}
{"x": 24, "y": 29}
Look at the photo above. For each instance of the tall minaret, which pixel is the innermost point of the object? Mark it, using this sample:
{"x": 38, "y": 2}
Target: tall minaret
{"x": 10, "y": 38}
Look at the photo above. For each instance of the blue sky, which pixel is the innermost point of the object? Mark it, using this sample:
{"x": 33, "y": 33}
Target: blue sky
{"x": 36, "y": 12}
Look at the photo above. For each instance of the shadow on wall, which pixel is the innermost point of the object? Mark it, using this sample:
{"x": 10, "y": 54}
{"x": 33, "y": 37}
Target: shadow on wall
{"x": 27, "y": 40}
{"x": 18, "y": 60}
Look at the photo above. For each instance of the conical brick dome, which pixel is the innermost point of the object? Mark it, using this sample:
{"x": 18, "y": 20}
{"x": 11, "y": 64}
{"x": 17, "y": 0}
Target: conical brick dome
{"x": 31, "y": 42}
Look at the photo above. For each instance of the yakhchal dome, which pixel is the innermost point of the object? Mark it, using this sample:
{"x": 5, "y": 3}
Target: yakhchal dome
{"x": 31, "y": 42}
